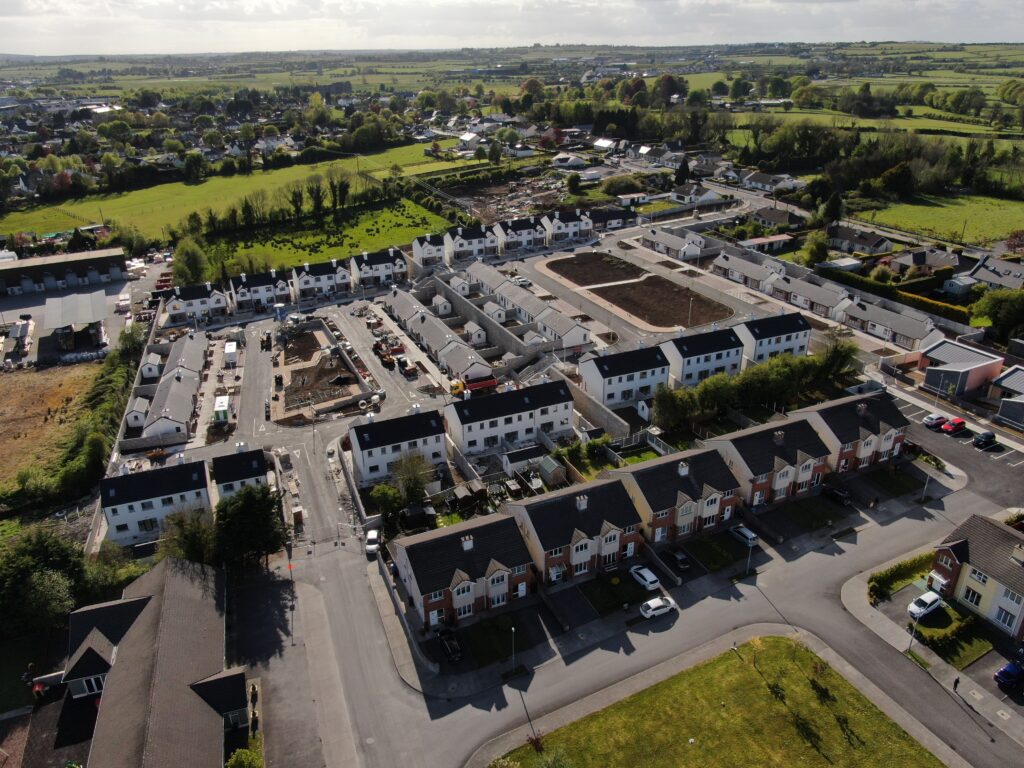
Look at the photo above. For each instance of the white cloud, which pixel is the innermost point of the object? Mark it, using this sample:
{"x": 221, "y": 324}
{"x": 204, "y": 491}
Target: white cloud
{"x": 182, "y": 26}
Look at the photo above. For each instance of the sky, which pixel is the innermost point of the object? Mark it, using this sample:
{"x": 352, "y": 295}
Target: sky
{"x": 54, "y": 27}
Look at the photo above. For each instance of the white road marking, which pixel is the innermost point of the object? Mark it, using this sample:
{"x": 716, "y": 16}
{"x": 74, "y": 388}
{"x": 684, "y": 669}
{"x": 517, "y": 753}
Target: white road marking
{"x": 1017, "y": 464}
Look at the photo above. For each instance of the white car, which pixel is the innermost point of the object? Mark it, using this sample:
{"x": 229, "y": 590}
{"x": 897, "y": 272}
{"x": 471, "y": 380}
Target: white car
{"x": 644, "y": 577}
{"x": 372, "y": 541}
{"x": 924, "y": 605}
{"x": 934, "y": 420}
{"x": 657, "y": 606}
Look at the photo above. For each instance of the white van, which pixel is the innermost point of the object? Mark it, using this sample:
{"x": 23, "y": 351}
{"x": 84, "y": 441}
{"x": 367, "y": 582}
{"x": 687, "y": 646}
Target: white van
{"x": 744, "y": 535}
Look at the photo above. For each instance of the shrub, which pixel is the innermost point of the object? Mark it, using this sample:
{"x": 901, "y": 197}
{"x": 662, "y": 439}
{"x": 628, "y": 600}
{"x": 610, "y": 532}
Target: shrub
{"x": 946, "y": 642}
{"x": 880, "y": 583}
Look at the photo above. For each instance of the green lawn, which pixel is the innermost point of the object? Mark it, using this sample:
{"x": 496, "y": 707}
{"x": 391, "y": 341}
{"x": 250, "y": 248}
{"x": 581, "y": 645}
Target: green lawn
{"x": 813, "y": 513}
{"x": 769, "y": 703}
{"x": 894, "y": 483}
{"x": 717, "y": 552}
{"x": 972, "y": 646}
{"x": 374, "y": 229}
{"x": 450, "y": 519}
{"x": 608, "y": 592}
{"x": 156, "y": 208}
{"x": 980, "y": 219}
{"x": 657, "y": 205}
{"x": 635, "y": 456}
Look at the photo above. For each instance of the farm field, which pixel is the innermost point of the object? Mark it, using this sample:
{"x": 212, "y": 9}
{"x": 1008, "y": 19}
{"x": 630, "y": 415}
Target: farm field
{"x": 395, "y": 224}
{"x": 981, "y": 219}
{"x": 661, "y": 302}
{"x": 899, "y": 123}
{"x": 594, "y": 268}
{"x": 37, "y": 414}
{"x": 154, "y": 209}
{"x": 769, "y": 703}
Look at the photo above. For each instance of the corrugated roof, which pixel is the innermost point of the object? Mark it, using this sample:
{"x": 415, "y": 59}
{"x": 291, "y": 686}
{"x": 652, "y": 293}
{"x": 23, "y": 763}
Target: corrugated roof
{"x": 75, "y": 309}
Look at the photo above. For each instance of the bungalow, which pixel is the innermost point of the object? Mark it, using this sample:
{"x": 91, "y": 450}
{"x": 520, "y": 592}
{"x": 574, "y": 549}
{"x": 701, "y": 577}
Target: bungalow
{"x": 494, "y": 311}
{"x": 681, "y": 243}
{"x": 200, "y": 303}
{"x": 777, "y": 218}
{"x": 784, "y": 334}
{"x": 519, "y": 235}
{"x": 481, "y": 424}
{"x": 774, "y": 461}
{"x": 924, "y": 259}
{"x": 565, "y": 160}
{"x": 427, "y": 251}
{"x": 258, "y": 292}
{"x": 619, "y": 379}
{"x": 464, "y": 363}
{"x": 326, "y": 278}
{"x": 562, "y": 226}
{"x": 558, "y": 327}
{"x": 860, "y": 431}
{"x": 461, "y": 243}
{"x": 996, "y": 273}
{"x": 691, "y": 359}
{"x": 630, "y": 199}
{"x": 905, "y": 328}
{"x": 136, "y": 505}
{"x": 850, "y": 240}
{"x": 578, "y": 531}
{"x": 607, "y": 219}
{"x": 768, "y": 243}
{"x": 378, "y": 443}
{"x": 378, "y": 268}
{"x": 952, "y": 367}
{"x": 744, "y": 271}
{"x": 694, "y": 194}
{"x": 234, "y": 471}
{"x": 681, "y": 495}
{"x": 526, "y": 305}
{"x": 487, "y": 277}
{"x": 463, "y": 570}
{"x": 766, "y": 182}
{"x": 825, "y": 300}
{"x": 981, "y": 566}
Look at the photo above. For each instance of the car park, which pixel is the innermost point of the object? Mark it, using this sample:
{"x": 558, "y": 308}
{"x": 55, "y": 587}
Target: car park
{"x": 954, "y": 426}
{"x": 644, "y": 577}
{"x": 657, "y": 606}
{"x": 372, "y": 541}
{"x": 680, "y": 558}
{"x": 984, "y": 440}
{"x": 838, "y": 495}
{"x": 450, "y": 644}
{"x": 1010, "y": 675}
{"x": 934, "y": 420}
{"x": 744, "y": 535}
{"x": 924, "y": 604}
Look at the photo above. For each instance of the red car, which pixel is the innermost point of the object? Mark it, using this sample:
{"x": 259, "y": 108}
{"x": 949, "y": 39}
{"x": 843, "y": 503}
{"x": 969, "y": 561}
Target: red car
{"x": 953, "y": 426}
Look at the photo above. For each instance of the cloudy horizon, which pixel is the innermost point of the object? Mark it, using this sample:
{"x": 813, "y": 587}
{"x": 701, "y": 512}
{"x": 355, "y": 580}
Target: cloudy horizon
{"x": 110, "y": 27}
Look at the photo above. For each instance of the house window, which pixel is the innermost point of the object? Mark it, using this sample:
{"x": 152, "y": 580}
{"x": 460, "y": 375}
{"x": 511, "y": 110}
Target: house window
{"x": 464, "y": 610}
{"x": 1006, "y": 618}
{"x": 711, "y": 502}
{"x": 150, "y": 524}
{"x": 556, "y": 552}
{"x": 375, "y": 468}
{"x": 945, "y": 561}
{"x": 167, "y": 501}
{"x": 519, "y": 570}
{"x": 497, "y": 580}
{"x": 229, "y": 486}
{"x": 580, "y": 548}
{"x": 580, "y": 568}
{"x": 435, "y": 596}
{"x": 629, "y": 529}
{"x": 463, "y": 589}
{"x": 122, "y": 528}
{"x": 93, "y": 684}
{"x": 1013, "y": 597}
{"x": 972, "y": 597}
{"x": 499, "y": 599}
{"x": 661, "y": 515}
{"x": 978, "y": 576}
{"x": 610, "y": 538}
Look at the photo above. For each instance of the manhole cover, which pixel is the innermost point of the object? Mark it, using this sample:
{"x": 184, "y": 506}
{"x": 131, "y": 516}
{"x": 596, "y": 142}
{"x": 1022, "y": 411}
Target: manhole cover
{"x": 976, "y": 695}
{"x": 1003, "y": 714}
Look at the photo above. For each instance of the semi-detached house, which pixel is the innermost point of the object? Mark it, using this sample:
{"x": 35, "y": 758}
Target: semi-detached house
{"x": 681, "y": 495}
{"x": 258, "y": 292}
{"x": 378, "y": 268}
{"x": 774, "y": 461}
{"x": 234, "y": 471}
{"x": 621, "y": 378}
{"x": 200, "y": 302}
{"x": 378, "y": 443}
{"x": 825, "y": 300}
{"x": 735, "y": 267}
{"x": 463, "y": 570}
{"x": 325, "y": 278}
{"x": 136, "y": 505}
{"x": 461, "y": 243}
{"x": 428, "y": 251}
{"x": 860, "y": 431}
{"x": 519, "y": 235}
{"x": 576, "y": 532}
{"x": 691, "y": 359}
{"x": 772, "y": 336}
{"x": 566, "y": 226}
{"x": 481, "y": 424}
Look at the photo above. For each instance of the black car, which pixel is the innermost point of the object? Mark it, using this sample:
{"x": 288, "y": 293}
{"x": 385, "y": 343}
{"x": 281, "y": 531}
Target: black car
{"x": 984, "y": 440}
{"x": 838, "y": 495}
{"x": 451, "y": 646}
{"x": 681, "y": 560}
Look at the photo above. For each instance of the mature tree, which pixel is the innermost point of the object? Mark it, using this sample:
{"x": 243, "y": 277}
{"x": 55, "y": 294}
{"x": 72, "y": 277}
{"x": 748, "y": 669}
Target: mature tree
{"x": 195, "y": 167}
{"x": 316, "y": 193}
{"x": 572, "y": 183}
{"x": 189, "y": 536}
{"x": 38, "y": 551}
{"x": 173, "y": 146}
{"x": 815, "y": 248}
{"x": 1015, "y": 241}
{"x": 494, "y": 152}
{"x": 249, "y": 526}
{"x": 1004, "y": 308}
{"x": 189, "y": 262}
{"x": 51, "y": 596}
{"x": 110, "y": 163}
{"x": 296, "y": 194}
{"x": 203, "y": 123}
{"x": 479, "y": 153}
{"x": 881, "y": 274}
{"x": 716, "y": 393}
{"x": 832, "y": 209}
{"x": 682, "y": 174}
{"x": 411, "y": 473}
{"x": 213, "y": 139}
{"x": 534, "y": 87}
{"x": 719, "y": 88}
{"x": 388, "y": 501}
{"x": 338, "y": 185}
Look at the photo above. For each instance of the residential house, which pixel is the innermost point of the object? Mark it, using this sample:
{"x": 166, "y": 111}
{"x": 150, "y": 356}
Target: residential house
{"x": 428, "y": 251}
{"x": 777, "y": 218}
{"x": 519, "y": 235}
{"x": 566, "y": 331}
{"x": 487, "y": 277}
{"x": 851, "y": 240}
{"x": 766, "y": 182}
{"x": 993, "y": 272}
{"x": 768, "y": 243}
{"x": 464, "y": 363}
{"x": 736, "y": 267}
{"x": 200, "y": 303}
{"x": 691, "y": 359}
{"x": 695, "y": 194}
{"x": 1008, "y": 389}
{"x": 481, "y": 424}
{"x": 461, "y": 243}
{"x": 823, "y": 300}
{"x": 519, "y": 301}
{"x": 259, "y": 292}
{"x": 681, "y": 243}
{"x": 326, "y": 278}
{"x": 565, "y": 160}
{"x": 567, "y": 226}
{"x": 174, "y": 401}
{"x": 774, "y": 461}
{"x": 234, "y": 471}
{"x": 155, "y": 658}
{"x": 378, "y": 268}
{"x": 981, "y": 566}
{"x": 378, "y": 443}
{"x": 463, "y": 570}
{"x": 925, "y": 260}
{"x": 904, "y": 327}
{"x": 954, "y": 368}
{"x": 681, "y": 495}
{"x": 860, "y": 431}
{"x": 630, "y": 199}
{"x": 608, "y": 219}
{"x": 136, "y": 505}
{"x": 578, "y": 531}
{"x": 621, "y": 378}
{"x": 774, "y": 335}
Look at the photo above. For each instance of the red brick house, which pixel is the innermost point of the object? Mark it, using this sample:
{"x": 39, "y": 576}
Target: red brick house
{"x": 860, "y": 431}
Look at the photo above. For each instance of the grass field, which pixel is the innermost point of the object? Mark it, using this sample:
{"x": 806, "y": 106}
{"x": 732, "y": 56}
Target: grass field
{"x": 154, "y": 209}
{"x": 769, "y": 703}
{"x": 393, "y": 224}
{"x": 37, "y": 414}
{"x": 980, "y": 219}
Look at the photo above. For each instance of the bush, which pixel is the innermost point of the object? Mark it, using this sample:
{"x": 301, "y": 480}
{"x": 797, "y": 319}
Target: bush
{"x": 880, "y": 583}
{"x": 940, "y": 308}
{"x": 946, "y": 642}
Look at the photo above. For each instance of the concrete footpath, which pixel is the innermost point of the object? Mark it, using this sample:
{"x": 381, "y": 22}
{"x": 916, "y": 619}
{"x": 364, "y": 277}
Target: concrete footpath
{"x": 972, "y": 697}
{"x": 550, "y": 721}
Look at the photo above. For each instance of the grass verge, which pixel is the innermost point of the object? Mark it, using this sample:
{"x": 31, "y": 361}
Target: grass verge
{"x": 892, "y": 483}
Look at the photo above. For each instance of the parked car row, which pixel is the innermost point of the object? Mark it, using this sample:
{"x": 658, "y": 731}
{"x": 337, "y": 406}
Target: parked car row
{"x": 984, "y": 439}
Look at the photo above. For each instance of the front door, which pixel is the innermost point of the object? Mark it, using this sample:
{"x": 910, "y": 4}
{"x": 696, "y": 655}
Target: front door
{"x": 435, "y": 617}
{"x": 521, "y": 589}
{"x": 630, "y": 548}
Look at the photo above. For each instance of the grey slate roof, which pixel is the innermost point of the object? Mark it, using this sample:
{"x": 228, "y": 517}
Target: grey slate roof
{"x": 1012, "y": 379}
{"x": 855, "y": 237}
{"x": 374, "y": 434}
{"x": 631, "y": 361}
{"x": 524, "y": 299}
{"x": 745, "y": 267}
{"x": 913, "y": 326}
{"x": 555, "y": 515}
{"x": 849, "y": 424}
{"x": 162, "y": 481}
{"x": 462, "y": 357}
{"x": 485, "y": 274}
{"x": 988, "y": 545}
{"x": 707, "y": 343}
{"x": 950, "y": 354}
{"x": 509, "y": 403}
{"x": 778, "y": 216}
{"x": 385, "y": 256}
{"x": 436, "y": 555}
{"x": 760, "y": 451}
{"x": 173, "y": 397}
{"x": 188, "y": 352}
{"x": 777, "y": 325}
{"x": 558, "y": 322}
{"x": 660, "y": 482}
{"x": 233, "y": 467}
{"x": 828, "y": 295}
{"x": 999, "y": 273}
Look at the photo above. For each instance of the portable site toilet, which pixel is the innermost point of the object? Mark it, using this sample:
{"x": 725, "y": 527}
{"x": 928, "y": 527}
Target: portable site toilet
{"x": 221, "y": 408}
{"x": 231, "y": 353}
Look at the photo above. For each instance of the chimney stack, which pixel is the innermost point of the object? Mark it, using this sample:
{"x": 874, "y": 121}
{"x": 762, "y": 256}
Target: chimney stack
{"x": 862, "y": 408}
{"x": 467, "y": 543}
{"x": 683, "y": 469}
{"x": 778, "y": 437}
{"x": 581, "y": 502}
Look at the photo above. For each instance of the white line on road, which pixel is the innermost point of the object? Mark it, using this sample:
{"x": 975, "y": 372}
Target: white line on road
{"x": 1017, "y": 464}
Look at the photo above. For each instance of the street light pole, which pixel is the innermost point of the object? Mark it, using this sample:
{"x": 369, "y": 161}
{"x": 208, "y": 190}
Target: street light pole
{"x": 689, "y": 313}
{"x": 750, "y": 551}
{"x": 513, "y": 649}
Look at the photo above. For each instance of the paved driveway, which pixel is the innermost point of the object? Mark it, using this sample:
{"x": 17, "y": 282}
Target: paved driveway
{"x": 570, "y": 605}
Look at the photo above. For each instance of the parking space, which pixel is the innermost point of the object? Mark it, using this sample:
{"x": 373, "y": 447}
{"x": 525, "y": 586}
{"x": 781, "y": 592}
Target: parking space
{"x": 687, "y": 570}
{"x": 997, "y": 452}
{"x": 982, "y": 671}
{"x": 570, "y": 604}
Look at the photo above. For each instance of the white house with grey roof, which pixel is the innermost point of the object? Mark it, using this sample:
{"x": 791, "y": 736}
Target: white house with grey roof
{"x": 824, "y": 300}
{"x": 461, "y": 243}
{"x": 733, "y": 265}
{"x": 905, "y": 327}
{"x": 324, "y": 278}
{"x": 378, "y": 268}
{"x": 775, "y": 335}
{"x": 558, "y": 327}
{"x": 480, "y": 424}
{"x": 427, "y": 251}
{"x": 485, "y": 276}
{"x": 693, "y": 358}
{"x": 519, "y": 235}
{"x": 258, "y": 292}
{"x": 198, "y": 303}
{"x": 378, "y": 443}
{"x": 136, "y": 505}
{"x": 624, "y": 377}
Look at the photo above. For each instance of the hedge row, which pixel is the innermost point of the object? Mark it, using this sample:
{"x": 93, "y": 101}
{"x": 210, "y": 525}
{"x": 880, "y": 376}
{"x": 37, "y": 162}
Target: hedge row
{"x": 940, "y": 308}
{"x": 880, "y": 583}
{"x": 893, "y": 292}
{"x": 947, "y": 642}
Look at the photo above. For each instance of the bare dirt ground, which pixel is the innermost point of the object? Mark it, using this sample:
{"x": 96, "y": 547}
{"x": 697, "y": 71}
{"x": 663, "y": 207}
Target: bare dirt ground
{"x": 662, "y": 303}
{"x": 38, "y": 409}
{"x": 594, "y": 268}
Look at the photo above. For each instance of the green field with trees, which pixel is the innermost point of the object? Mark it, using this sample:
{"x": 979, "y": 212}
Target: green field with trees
{"x": 965, "y": 218}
